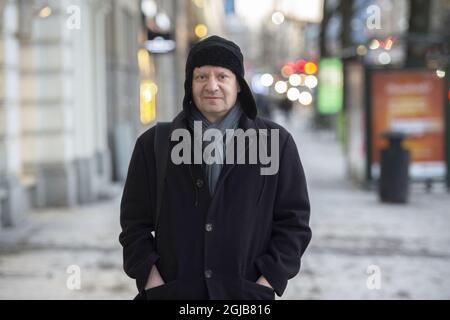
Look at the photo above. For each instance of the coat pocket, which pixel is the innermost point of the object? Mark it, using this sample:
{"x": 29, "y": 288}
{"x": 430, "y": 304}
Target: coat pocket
{"x": 252, "y": 291}
{"x": 167, "y": 291}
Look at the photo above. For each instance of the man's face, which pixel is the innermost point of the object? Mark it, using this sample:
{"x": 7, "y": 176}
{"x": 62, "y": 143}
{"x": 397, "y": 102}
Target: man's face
{"x": 215, "y": 91}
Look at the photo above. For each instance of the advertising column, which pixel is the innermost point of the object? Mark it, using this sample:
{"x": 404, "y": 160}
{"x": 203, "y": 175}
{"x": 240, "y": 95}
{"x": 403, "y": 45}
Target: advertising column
{"x": 410, "y": 101}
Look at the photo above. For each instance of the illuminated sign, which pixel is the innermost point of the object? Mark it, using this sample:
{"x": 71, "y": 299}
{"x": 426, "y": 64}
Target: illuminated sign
{"x": 330, "y": 94}
{"x": 411, "y": 102}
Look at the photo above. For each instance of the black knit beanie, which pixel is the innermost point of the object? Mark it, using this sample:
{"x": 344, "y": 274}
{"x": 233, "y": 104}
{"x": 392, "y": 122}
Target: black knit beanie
{"x": 217, "y": 51}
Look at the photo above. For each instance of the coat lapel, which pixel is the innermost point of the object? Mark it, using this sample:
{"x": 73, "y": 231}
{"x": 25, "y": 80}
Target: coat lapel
{"x": 244, "y": 123}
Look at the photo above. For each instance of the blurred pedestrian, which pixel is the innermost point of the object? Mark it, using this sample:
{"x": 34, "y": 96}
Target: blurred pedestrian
{"x": 222, "y": 231}
{"x": 263, "y": 104}
{"x": 286, "y": 107}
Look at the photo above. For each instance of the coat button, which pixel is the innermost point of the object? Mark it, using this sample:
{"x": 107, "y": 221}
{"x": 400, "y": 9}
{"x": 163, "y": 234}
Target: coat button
{"x": 208, "y": 274}
{"x": 199, "y": 183}
{"x": 208, "y": 227}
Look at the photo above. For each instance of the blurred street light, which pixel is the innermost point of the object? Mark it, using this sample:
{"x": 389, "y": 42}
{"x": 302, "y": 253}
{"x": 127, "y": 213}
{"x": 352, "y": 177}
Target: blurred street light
{"x": 311, "y": 81}
{"x": 305, "y": 98}
{"x": 384, "y": 58}
{"x": 300, "y": 65}
{"x": 361, "y": 50}
{"x": 310, "y": 68}
{"x": 45, "y": 12}
{"x": 147, "y": 95}
{"x": 440, "y": 73}
{"x": 267, "y": 80}
{"x": 293, "y": 94}
{"x": 163, "y": 21}
{"x": 295, "y": 80}
{"x": 277, "y": 18}
{"x": 287, "y": 70}
{"x": 201, "y": 30}
{"x": 149, "y": 8}
{"x": 389, "y": 43}
{"x": 375, "y": 44}
{"x": 148, "y": 90}
{"x": 257, "y": 85}
{"x": 280, "y": 87}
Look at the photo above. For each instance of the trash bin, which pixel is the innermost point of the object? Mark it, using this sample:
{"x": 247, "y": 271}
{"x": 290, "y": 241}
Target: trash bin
{"x": 394, "y": 164}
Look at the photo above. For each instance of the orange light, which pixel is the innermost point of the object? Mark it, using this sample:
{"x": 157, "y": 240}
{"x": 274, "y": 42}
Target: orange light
{"x": 310, "y": 68}
{"x": 287, "y": 70}
{"x": 389, "y": 43}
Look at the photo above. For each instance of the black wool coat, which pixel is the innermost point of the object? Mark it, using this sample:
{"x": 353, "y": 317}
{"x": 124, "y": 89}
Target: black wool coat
{"x": 215, "y": 246}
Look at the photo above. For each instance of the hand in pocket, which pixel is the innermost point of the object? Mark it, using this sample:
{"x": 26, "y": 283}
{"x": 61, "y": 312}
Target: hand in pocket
{"x": 154, "y": 279}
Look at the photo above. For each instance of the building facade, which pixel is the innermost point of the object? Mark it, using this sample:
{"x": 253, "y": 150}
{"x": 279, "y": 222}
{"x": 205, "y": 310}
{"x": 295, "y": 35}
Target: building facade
{"x": 69, "y": 101}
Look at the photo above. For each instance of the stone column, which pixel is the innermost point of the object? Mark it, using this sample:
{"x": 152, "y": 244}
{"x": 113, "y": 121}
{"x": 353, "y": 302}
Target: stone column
{"x": 85, "y": 103}
{"x": 182, "y": 32}
{"x": 102, "y": 152}
{"x": 122, "y": 83}
{"x": 48, "y": 104}
{"x": 167, "y": 76}
{"x": 11, "y": 191}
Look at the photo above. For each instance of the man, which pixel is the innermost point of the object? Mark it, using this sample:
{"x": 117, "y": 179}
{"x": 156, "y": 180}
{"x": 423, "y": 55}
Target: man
{"x": 225, "y": 230}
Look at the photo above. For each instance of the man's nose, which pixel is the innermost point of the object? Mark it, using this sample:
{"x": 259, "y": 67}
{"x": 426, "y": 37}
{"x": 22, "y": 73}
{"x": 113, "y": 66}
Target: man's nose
{"x": 212, "y": 84}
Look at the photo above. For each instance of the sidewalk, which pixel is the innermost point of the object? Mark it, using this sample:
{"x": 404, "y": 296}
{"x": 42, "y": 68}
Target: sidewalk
{"x": 351, "y": 231}
{"x": 36, "y": 266}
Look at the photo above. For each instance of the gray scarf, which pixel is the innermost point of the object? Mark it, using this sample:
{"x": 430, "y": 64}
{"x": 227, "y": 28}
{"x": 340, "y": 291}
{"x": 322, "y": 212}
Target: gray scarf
{"x": 230, "y": 121}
